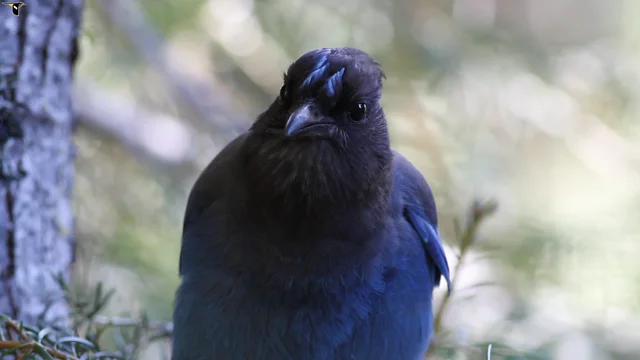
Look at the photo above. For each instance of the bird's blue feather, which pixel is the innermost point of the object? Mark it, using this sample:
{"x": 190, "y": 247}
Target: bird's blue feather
{"x": 333, "y": 85}
{"x": 430, "y": 242}
{"x": 318, "y": 71}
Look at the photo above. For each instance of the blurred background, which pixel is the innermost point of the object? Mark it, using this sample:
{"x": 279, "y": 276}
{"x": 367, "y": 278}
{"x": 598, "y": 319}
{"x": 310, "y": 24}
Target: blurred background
{"x": 535, "y": 103}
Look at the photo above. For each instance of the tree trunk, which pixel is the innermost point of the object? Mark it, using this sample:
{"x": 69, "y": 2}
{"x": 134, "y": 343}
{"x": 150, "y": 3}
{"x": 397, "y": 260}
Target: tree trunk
{"x": 38, "y": 49}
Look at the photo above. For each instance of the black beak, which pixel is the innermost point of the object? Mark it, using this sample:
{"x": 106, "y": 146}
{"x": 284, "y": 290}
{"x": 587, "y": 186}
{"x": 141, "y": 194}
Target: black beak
{"x": 303, "y": 123}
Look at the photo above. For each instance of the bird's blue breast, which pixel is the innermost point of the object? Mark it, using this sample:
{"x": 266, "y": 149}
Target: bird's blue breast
{"x": 400, "y": 323}
{"x": 385, "y": 316}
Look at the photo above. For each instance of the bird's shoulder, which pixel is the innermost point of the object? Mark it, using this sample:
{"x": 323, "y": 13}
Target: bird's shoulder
{"x": 219, "y": 180}
{"x": 216, "y": 192}
{"x": 418, "y": 207}
{"x": 411, "y": 187}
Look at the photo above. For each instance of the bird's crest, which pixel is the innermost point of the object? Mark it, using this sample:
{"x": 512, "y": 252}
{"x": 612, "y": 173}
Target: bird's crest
{"x": 318, "y": 73}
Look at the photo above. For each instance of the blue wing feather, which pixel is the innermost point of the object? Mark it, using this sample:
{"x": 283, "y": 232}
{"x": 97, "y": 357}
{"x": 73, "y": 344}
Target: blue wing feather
{"x": 430, "y": 243}
{"x": 419, "y": 209}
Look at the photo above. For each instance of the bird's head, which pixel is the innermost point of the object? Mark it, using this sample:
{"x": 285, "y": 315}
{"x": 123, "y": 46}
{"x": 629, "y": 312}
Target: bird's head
{"x": 325, "y": 136}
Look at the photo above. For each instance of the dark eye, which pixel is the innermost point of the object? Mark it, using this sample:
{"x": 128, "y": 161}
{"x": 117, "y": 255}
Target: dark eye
{"x": 358, "y": 112}
{"x": 284, "y": 93}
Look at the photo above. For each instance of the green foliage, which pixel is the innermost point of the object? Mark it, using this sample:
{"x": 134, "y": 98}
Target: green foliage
{"x": 172, "y": 16}
{"x": 83, "y": 335}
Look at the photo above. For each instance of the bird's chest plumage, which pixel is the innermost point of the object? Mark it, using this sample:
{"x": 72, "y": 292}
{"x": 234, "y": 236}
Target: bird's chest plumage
{"x": 384, "y": 315}
{"x": 400, "y": 322}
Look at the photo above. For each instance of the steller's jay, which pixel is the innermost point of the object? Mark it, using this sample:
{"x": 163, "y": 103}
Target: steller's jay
{"x": 308, "y": 237}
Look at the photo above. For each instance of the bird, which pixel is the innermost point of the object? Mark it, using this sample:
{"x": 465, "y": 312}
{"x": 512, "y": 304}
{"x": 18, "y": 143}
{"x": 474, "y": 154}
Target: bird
{"x": 308, "y": 236}
{"x": 15, "y": 6}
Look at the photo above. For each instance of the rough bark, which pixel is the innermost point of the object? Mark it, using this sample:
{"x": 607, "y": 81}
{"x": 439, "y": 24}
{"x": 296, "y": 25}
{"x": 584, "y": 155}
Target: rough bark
{"x": 38, "y": 49}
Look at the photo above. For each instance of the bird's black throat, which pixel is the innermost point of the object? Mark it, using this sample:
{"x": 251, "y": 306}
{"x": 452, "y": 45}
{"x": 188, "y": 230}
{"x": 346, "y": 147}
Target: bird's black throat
{"x": 310, "y": 183}
{"x": 317, "y": 211}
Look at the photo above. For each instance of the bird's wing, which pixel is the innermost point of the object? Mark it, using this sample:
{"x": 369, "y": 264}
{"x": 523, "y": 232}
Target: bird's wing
{"x": 420, "y": 211}
{"x": 213, "y": 185}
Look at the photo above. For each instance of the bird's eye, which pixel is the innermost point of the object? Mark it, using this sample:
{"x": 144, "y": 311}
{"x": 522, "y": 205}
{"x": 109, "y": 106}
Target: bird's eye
{"x": 284, "y": 93}
{"x": 358, "y": 112}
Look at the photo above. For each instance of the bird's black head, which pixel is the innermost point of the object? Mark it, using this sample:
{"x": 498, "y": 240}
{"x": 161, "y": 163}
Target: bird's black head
{"x": 324, "y": 140}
